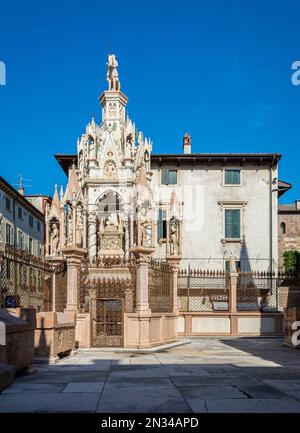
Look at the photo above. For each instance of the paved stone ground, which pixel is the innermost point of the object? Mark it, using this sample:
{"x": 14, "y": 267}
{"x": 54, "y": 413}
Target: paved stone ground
{"x": 207, "y": 375}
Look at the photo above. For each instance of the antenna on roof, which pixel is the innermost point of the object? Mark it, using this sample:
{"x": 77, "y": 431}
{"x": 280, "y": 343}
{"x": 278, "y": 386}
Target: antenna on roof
{"x": 21, "y": 185}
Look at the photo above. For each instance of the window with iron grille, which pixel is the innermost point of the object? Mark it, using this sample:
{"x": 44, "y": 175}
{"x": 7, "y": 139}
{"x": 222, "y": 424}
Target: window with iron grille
{"x": 9, "y": 234}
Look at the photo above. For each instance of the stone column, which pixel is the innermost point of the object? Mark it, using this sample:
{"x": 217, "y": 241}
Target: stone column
{"x": 92, "y": 235}
{"x": 74, "y": 239}
{"x": 74, "y": 257}
{"x": 174, "y": 262}
{"x": 62, "y": 227}
{"x": 142, "y": 255}
{"x": 47, "y": 228}
{"x": 84, "y": 234}
{"x": 233, "y": 302}
{"x": 143, "y": 311}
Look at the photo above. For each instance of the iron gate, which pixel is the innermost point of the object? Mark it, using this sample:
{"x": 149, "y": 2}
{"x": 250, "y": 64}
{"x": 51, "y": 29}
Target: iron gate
{"x": 107, "y": 322}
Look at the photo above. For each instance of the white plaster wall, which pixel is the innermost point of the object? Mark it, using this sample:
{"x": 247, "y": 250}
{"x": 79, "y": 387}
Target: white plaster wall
{"x": 11, "y": 217}
{"x": 201, "y": 190}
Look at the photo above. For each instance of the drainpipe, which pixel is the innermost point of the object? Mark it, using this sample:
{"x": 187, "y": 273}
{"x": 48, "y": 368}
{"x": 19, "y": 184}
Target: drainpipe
{"x": 271, "y": 220}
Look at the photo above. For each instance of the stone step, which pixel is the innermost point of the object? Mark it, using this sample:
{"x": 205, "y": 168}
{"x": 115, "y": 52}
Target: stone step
{"x": 7, "y": 375}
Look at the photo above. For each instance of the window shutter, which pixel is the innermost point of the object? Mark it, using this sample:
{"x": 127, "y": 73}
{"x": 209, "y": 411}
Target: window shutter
{"x": 160, "y": 224}
{"x": 232, "y": 224}
{"x": 165, "y": 177}
{"x": 232, "y": 177}
{"x": 173, "y": 177}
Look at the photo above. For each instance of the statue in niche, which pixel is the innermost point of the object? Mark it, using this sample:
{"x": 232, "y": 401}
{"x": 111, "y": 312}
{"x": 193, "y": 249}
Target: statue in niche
{"x": 146, "y": 228}
{"x": 70, "y": 226}
{"x": 1, "y": 229}
{"x": 54, "y": 240}
{"x": 79, "y": 226}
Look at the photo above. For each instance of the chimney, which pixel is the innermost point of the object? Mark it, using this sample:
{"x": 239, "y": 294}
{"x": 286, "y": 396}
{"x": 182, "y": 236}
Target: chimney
{"x": 297, "y": 204}
{"x": 187, "y": 144}
{"x": 21, "y": 190}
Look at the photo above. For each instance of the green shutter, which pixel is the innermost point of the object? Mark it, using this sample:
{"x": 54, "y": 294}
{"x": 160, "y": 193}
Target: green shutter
{"x": 165, "y": 177}
{"x": 232, "y": 177}
{"x": 160, "y": 224}
{"x": 232, "y": 224}
{"x": 172, "y": 177}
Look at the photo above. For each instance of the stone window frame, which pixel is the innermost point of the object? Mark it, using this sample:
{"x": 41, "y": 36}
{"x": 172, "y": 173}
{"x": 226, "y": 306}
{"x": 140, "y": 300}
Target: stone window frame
{"x": 232, "y": 185}
{"x": 233, "y": 205}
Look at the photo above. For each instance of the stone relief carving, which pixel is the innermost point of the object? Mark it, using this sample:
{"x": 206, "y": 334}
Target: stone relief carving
{"x": 110, "y": 169}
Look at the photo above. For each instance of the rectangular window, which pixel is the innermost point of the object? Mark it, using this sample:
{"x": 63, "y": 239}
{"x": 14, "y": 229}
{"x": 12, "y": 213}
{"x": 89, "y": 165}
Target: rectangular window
{"x": 7, "y": 204}
{"x": 39, "y": 226}
{"x": 9, "y": 234}
{"x": 30, "y": 246}
{"x": 161, "y": 225}
{"x": 232, "y": 177}
{"x": 31, "y": 220}
{"x": 168, "y": 177}
{"x": 21, "y": 240}
{"x": 20, "y": 213}
{"x": 232, "y": 223}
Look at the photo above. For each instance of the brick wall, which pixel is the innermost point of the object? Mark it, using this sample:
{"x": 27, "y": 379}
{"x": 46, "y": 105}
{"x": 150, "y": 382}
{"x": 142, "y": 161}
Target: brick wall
{"x": 291, "y": 239}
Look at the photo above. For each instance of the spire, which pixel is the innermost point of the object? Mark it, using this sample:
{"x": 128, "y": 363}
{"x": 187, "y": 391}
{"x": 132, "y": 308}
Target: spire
{"x": 55, "y": 200}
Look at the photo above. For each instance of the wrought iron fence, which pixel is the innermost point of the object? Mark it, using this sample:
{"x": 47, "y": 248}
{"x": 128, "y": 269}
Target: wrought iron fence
{"x": 25, "y": 281}
{"x": 267, "y": 292}
{"x": 160, "y": 286}
{"x": 203, "y": 290}
{"x": 108, "y": 278}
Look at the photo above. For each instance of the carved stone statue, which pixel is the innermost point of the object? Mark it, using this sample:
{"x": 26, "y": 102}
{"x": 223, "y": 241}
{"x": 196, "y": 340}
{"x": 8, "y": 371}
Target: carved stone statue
{"x": 146, "y": 228}
{"x": 70, "y": 227}
{"x": 112, "y": 75}
{"x": 54, "y": 240}
{"x": 110, "y": 235}
{"x": 79, "y": 226}
{"x": 232, "y": 264}
{"x": 1, "y": 229}
{"x": 174, "y": 237}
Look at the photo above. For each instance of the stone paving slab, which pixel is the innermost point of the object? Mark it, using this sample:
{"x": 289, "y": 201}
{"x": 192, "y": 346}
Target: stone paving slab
{"x": 253, "y": 406}
{"x": 84, "y": 387}
{"x": 51, "y": 402}
{"x": 207, "y": 375}
{"x": 155, "y": 396}
{"x": 28, "y": 388}
{"x": 211, "y": 392}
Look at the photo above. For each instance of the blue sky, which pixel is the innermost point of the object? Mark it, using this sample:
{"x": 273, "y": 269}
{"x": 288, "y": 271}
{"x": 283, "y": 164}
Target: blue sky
{"x": 218, "y": 69}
